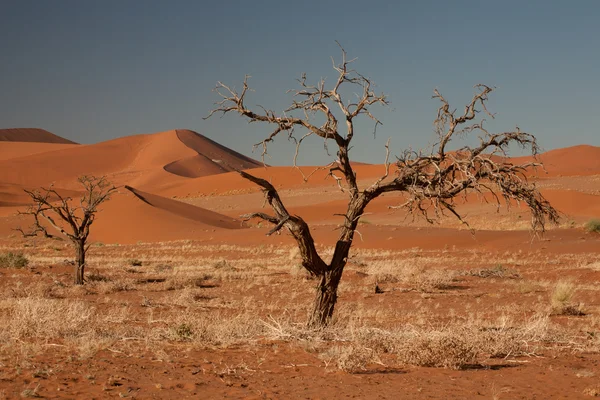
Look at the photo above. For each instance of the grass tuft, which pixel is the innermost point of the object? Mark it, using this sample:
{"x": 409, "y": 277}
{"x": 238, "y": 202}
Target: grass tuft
{"x": 593, "y": 226}
{"x": 561, "y": 299}
{"x": 13, "y": 260}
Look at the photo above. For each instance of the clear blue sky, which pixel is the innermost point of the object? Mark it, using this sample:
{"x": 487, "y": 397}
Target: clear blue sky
{"x": 93, "y": 71}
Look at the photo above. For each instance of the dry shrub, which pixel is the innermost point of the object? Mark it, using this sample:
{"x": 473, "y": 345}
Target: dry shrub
{"x": 413, "y": 274}
{"x": 187, "y": 297}
{"x": 561, "y": 299}
{"x": 95, "y": 276}
{"x": 185, "y": 281}
{"x": 507, "y": 338}
{"x": 379, "y": 340}
{"x": 353, "y": 358}
{"x": 458, "y": 345}
{"x": 390, "y": 271}
{"x": 47, "y": 318}
{"x": 114, "y": 286}
{"x": 163, "y": 268}
{"x": 498, "y": 271}
{"x": 35, "y": 289}
{"x": 212, "y": 329}
{"x": 31, "y": 393}
{"x": 434, "y": 279}
{"x": 592, "y": 391}
{"x": 13, "y": 260}
{"x": 593, "y": 225}
{"x": 438, "y": 348}
{"x": 134, "y": 262}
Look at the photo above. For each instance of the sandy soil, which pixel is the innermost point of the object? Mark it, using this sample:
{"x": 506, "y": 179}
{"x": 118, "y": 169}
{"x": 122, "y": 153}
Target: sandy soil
{"x": 183, "y": 300}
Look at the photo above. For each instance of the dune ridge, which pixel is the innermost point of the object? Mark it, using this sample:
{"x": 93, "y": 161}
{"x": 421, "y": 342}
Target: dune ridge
{"x": 31, "y": 135}
{"x": 185, "y": 210}
{"x": 211, "y": 157}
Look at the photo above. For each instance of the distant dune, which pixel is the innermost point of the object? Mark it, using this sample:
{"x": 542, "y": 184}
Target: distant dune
{"x": 211, "y": 158}
{"x": 153, "y": 169}
{"x": 146, "y": 161}
{"x": 31, "y": 135}
{"x": 569, "y": 161}
{"x": 11, "y": 150}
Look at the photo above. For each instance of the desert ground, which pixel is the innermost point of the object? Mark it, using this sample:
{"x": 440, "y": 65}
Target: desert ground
{"x": 184, "y": 300}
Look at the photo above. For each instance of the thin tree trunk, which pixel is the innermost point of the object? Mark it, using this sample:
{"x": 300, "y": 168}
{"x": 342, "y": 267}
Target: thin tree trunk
{"x": 79, "y": 262}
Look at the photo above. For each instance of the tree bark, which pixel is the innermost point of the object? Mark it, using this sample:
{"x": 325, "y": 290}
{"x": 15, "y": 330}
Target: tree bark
{"x": 326, "y": 297}
{"x": 80, "y": 262}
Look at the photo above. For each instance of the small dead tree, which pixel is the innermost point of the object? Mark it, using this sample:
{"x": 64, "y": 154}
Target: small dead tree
{"x": 72, "y": 221}
{"x": 431, "y": 180}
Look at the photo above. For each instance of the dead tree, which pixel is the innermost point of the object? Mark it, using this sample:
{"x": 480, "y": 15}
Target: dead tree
{"x": 72, "y": 221}
{"x": 431, "y": 180}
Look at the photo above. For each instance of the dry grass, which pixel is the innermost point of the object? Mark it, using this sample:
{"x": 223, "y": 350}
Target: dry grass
{"x": 223, "y": 296}
{"x": 352, "y": 358}
{"x": 592, "y": 391}
{"x": 498, "y": 271}
{"x": 592, "y": 225}
{"x": 414, "y": 274}
{"x": 13, "y": 260}
{"x": 561, "y": 299}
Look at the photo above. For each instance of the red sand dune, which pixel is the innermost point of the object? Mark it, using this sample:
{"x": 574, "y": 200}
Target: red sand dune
{"x": 139, "y": 160}
{"x": 31, "y": 135}
{"x": 128, "y": 219}
{"x": 280, "y": 177}
{"x": 12, "y": 195}
{"x": 211, "y": 158}
{"x": 569, "y": 161}
{"x": 186, "y": 210}
{"x": 11, "y": 150}
{"x": 13, "y": 198}
{"x": 182, "y": 163}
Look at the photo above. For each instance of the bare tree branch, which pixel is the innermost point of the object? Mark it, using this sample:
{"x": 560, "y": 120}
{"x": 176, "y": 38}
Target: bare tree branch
{"x": 431, "y": 181}
{"x": 71, "y": 221}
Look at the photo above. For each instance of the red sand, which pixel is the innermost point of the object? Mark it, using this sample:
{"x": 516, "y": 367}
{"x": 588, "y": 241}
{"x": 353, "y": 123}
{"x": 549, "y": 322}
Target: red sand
{"x": 12, "y": 150}
{"x": 571, "y": 161}
{"x": 182, "y": 163}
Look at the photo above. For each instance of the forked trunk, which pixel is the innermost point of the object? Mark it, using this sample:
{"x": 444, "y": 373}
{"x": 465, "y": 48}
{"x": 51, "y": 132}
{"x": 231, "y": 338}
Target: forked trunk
{"x": 79, "y": 262}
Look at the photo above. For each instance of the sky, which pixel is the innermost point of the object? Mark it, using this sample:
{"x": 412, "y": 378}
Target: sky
{"x": 94, "y": 71}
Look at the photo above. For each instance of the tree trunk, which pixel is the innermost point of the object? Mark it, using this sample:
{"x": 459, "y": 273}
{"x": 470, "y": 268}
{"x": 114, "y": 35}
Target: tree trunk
{"x": 327, "y": 290}
{"x": 326, "y": 299}
{"x": 79, "y": 262}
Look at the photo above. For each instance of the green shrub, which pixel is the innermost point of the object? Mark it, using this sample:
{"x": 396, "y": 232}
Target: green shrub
{"x": 13, "y": 260}
{"x": 593, "y": 225}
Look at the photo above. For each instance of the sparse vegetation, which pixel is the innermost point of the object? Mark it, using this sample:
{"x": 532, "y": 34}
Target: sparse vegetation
{"x": 498, "y": 271}
{"x": 241, "y": 309}
{"x": 562, "y": 299}
{"x": 134, "y": 262}
{"x": 13, "y": 260}
{"x": 593, "y": 225}
{"x": 71, "y": 221}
